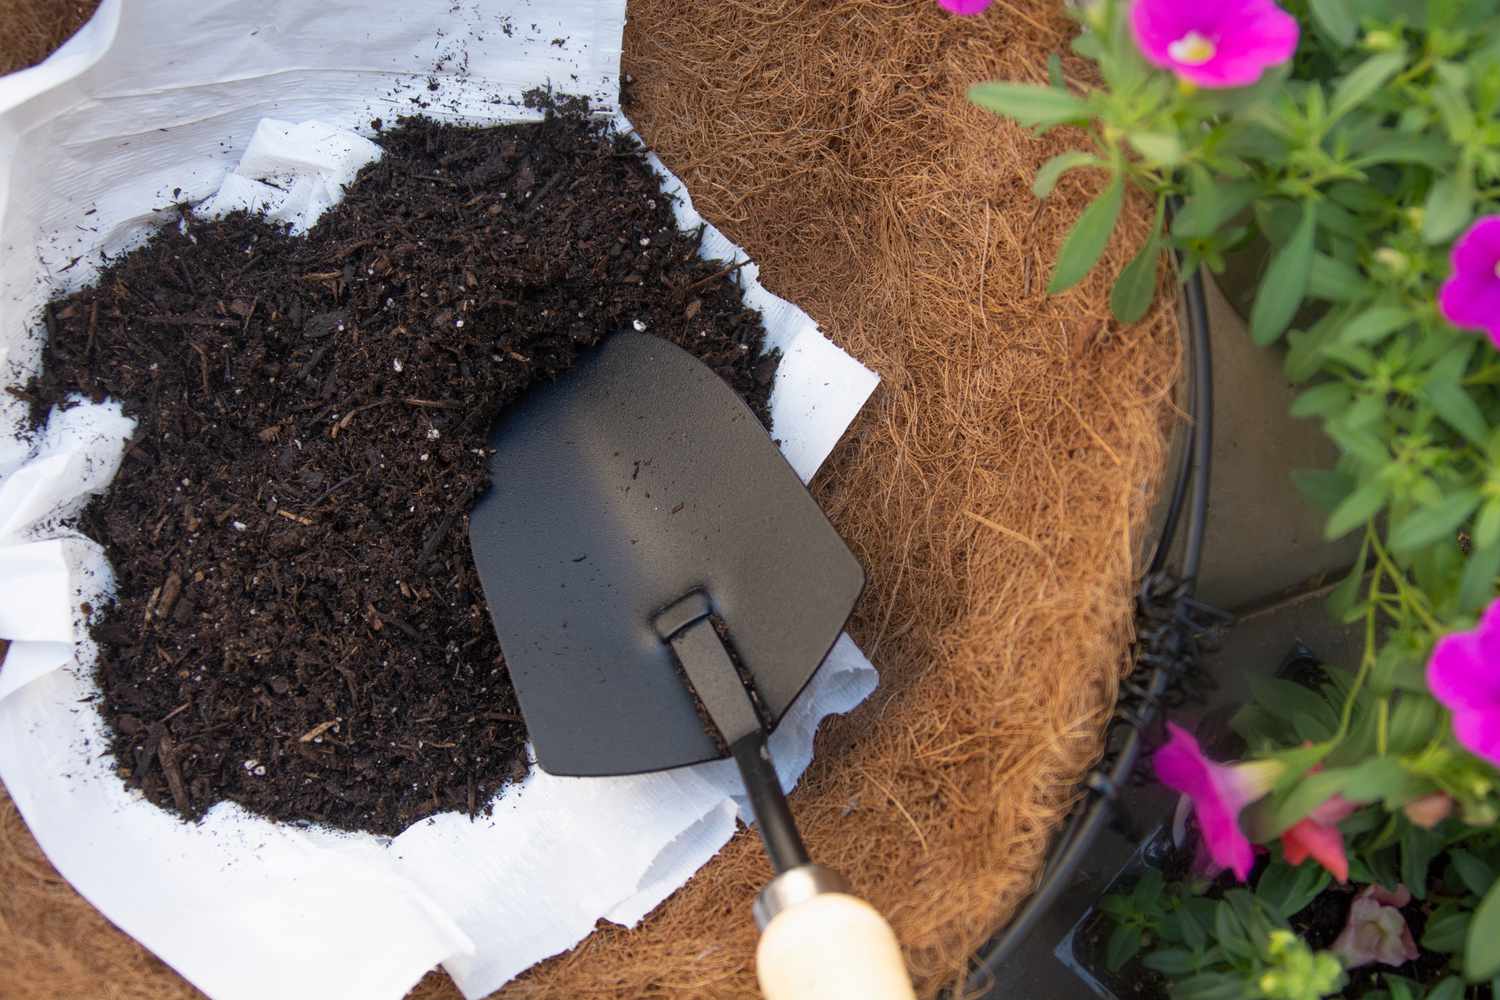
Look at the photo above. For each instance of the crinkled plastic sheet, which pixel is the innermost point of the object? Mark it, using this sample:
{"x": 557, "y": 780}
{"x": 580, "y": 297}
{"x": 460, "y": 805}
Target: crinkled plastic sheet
{"x": 153, "y": 104}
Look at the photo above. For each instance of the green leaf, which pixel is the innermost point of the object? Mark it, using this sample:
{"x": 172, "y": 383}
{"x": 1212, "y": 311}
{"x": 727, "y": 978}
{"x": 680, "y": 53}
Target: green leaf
{"x": 1376, "y": 778}
{"x": 1123, "y": 945}
{"x": 1135, "y": 288}
{"x": 1451, "y": 988}
{"x": 1453, "y": 107}
{"x": 1055, "y": 72}
{"x": 1230, "y": 934}
{"x": 1326, "y": 400}
{"x": 1446, "y": 930}
{"x": 1398, "y": 667}
{"x": 1287, "y": 698}
{"x": 1159, "y": 147}
{"x": 1171, "y": 962}
{"x": 1487, "y": 527}
{"x": 1364, "y": 445}
{"x": 1457, "y": 408}
{"x": 1288, "y": 889}
{"x": 1449, "y": 207}
{"x": 1089, "y": 45}
{"x": 1478, "y": 583}
{"x": 1374, "y": 325}
{"x": 1428, "y": 151}
{"x": 1209, "y": 986}
{"x": 1193, "y": 934}
{"x": 1332, "y": 279}
{"x": 1366, "y": 78}
{"x": 1029, "y": 103}
{"x": 1085, "y": 243}
{"x": 1476, "y": 875}
{"x": 1343, "y": 601}
{"x": 1399, "y": 988}
{"x": 1357, "y": 508}
{"x": 1426, "y": 525}
{"x": 1337, "y": 19}
{"x": 1413, "y": 720}
{"x": 1418, "y": 848}
{"x": 1211, "y": 206}
{"x": 1323, "y": 488}
{"x": 1285, "y": 283}
{"x": 1051, "y": 171}
{"x": 1481, "y": 956}
{"x": 1148, "y": 889}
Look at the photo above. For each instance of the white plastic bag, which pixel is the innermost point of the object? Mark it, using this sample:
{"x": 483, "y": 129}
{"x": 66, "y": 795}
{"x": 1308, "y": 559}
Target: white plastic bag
{"x": 152, "y": 104}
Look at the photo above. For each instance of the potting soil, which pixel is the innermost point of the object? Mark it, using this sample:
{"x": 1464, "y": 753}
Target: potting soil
{"x": 298, "y": 626}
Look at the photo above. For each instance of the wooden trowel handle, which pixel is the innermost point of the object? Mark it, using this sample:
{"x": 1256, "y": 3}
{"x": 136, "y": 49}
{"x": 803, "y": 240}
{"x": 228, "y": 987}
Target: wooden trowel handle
{"x": 819, "y": 943}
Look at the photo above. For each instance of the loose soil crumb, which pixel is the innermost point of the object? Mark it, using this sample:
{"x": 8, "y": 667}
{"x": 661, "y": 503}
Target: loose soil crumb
{"x": 299, "y": 627}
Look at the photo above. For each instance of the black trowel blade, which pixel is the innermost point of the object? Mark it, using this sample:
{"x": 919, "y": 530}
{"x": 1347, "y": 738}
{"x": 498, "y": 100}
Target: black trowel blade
{"x": 631, "y": 481}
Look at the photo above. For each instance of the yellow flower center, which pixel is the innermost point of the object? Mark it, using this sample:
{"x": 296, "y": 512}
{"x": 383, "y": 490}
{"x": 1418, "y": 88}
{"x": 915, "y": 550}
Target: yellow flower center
{"x": 1497, "y": 268}
{"x": 1192, "y": 48}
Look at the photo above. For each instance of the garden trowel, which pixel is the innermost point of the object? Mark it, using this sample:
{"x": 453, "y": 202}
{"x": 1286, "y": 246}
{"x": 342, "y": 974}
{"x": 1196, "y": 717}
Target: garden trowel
{"x": 663, "y": 587}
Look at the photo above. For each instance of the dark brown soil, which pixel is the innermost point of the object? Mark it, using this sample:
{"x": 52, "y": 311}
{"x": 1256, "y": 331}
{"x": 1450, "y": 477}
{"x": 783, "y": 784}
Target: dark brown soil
{"x": 299, "y": 627}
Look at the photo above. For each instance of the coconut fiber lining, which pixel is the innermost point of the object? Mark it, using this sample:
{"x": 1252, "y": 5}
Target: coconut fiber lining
{"x": 995, "y": 487}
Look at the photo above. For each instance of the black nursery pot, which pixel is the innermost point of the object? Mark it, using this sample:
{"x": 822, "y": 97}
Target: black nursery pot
{"x": 1265, "y": 562}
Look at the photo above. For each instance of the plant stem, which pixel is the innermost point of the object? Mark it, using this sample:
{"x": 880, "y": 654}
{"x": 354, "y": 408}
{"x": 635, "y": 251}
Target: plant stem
{"x": 1411, "y": 600}
{"x": 1367, "y": 660}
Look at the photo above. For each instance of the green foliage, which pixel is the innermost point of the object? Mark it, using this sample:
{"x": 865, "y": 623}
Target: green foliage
{"x": 1346, "y": 176}
{"x": 1086, "y": 241}
{"x": 1238, "y": 946}
{"x": 1482, "y": 949}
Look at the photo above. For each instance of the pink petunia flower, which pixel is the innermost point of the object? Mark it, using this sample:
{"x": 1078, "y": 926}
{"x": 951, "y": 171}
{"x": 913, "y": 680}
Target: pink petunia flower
{"x": 1464, "y": 674}
{"x": 964, "y": 7}
{"x": 1215, "y": 44}
{"x": 1470, "y": 298}
{"x": 1317, "y": 836}
{"x": 1219, "y": 792}
{"x": 1376, "y": 931}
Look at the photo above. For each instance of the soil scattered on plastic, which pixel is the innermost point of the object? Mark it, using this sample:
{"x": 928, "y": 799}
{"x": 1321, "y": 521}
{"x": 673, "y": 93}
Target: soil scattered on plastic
{"x": 299, "y": 627}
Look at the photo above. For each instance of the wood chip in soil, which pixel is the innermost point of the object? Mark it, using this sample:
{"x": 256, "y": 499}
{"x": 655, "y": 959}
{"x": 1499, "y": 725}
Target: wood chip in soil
{"x": 299, "y": 627}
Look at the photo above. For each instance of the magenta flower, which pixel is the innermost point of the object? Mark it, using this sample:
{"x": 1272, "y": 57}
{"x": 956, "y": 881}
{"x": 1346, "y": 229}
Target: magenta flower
{"x": 1218, "y": 43}
{"x": 1464, "y": 674}
{"x": 1376, "y": 931}
{"x": 1219, "y": 792}
{"x": 964, "y": 6}
{"x": 1470, "y": 298}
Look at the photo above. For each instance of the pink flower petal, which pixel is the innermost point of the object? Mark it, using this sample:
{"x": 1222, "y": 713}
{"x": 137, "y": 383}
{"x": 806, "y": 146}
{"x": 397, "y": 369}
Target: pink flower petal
{"x": 1429, "y": 810}
{"x": 1218, "y": 793}
{"x": 1489, "y": 637}
{"x": 1479, "y": 248}
{"x": 965, "y": 7}
{"x": 1479, "y": 733}
{"x": 1245, "y": 36}
{"x": 1376, "y": 932}
{"x": 1461, "y": 676}
{"x": 1464, "y": 674}
{"x": 1333, "y": 811}
{"x": 1471, "y": 302}
{"x": 1397, "y": 897}
{"x": 1323, "y": 843}
{"x": 1470, "y": 299}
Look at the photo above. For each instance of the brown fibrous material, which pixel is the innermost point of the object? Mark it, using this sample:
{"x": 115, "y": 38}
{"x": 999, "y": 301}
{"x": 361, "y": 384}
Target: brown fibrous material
{"x": 996, "y": 486}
